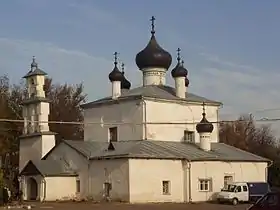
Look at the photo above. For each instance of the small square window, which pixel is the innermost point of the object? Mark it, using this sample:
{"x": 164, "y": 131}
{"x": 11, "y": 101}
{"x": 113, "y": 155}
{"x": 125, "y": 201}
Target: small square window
{"x": 166, "y": 187}
{"x": 205, "y": 185}
{"x": 188, "y": 136}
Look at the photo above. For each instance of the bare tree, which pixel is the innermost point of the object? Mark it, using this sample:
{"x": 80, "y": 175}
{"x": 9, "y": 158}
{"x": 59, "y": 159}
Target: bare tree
{"x": 257, "y": 139}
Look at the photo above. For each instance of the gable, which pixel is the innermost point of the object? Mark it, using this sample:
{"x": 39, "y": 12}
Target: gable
{"x": 30, "y": 170}
{"x": 60, "y": 147}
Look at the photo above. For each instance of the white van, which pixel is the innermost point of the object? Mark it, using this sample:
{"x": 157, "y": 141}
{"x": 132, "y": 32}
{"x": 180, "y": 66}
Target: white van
{"x": 243, "y": 192}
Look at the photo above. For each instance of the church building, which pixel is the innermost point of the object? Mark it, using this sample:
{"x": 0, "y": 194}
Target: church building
{"x": 153, "y": 143}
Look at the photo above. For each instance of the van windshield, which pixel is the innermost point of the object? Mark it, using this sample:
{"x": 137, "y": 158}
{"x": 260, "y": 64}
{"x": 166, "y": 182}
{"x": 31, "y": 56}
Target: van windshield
{"x": 229, "y": 188}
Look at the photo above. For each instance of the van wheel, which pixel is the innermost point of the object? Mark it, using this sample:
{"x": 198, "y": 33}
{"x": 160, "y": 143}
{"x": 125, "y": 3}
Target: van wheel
{"x": 234, "y": 201}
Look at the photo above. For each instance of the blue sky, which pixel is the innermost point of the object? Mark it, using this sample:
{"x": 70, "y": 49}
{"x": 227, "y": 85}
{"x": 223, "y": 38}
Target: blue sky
{"x": 231, "y": 48}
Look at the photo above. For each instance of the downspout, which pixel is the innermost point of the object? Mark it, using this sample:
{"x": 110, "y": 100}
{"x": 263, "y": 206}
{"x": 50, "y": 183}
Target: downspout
{"x": 88, "y": 176}
{"x": 190, "y": 181}
{"x": 145, "y": 119}
{"x": 218, "y": 125}
{"x": 45, "y": 189}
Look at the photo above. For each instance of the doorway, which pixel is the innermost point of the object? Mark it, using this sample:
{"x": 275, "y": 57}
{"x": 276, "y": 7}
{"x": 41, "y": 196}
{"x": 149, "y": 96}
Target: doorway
{"x": 107, "y": 189}
{"x": 32, "y": 189}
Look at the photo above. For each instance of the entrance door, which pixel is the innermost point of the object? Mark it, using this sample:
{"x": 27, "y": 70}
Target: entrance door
{"x": 107, "y": 189}
{"x": 33, "y": 189}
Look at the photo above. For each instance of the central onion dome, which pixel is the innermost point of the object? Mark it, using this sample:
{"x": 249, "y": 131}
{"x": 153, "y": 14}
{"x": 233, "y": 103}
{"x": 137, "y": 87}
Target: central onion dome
{"x": 179, "y": 70}
{"x": 153, "y": 55}
{"x": 204, "y": 126}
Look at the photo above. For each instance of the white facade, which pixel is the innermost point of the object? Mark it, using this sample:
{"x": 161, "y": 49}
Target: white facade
{"x": 141, "y": 180}
{"x": 139, "y": 112}
{"x": 157, "y": 171}
{"x": 49, "y": 188}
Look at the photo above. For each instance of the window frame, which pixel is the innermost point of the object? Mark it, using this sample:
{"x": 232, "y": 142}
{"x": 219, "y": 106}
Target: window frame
{"x": 114, "y": 131}
{"x": 166, "y": 184}
{"x": 187, "y": 134}
{"x": 207, "y": 182}
{"x": 227, "y": 179}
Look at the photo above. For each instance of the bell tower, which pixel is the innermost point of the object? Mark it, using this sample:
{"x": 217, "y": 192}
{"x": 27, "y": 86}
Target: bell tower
{"x": 37, "y": 140}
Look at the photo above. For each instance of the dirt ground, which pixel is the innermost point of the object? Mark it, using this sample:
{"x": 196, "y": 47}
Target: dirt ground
{"x": 122, "y": 206}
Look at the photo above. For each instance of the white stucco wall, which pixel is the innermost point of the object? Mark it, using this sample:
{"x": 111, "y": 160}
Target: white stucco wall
{"x": 77, "y": 162}
{"x": 146, "y": 177}
{"x": 34, "y": 148}
{"x": 149, "y": 111}
{"x": 116, "y": 172}
{"x": 159, "y": 111}
{"x": 60, "y": 188}
{"x": 216, "y": 170}
{"x": 123, "y": 112}
{"x": 93, "y": 174}
{"x": 50, "y": 188}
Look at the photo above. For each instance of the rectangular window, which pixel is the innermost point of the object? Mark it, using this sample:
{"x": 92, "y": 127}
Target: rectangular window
{"x": 228, "y": 179}
{"x": 188, "y": 136}
{"x": 166, "y": 187}
{"x": 113, "y": 134}
{"x": 78, "y": 186}
{"x": 205, "y": 185}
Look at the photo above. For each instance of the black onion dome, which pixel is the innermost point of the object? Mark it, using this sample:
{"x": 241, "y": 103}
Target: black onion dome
{"x": 187, "y": 82}
{"x": 115, "y": 75}
{"x": 179, "y": 71}
{"x": 125, "y": 84}
{"x": 204, "y": 126}
{"x": 153, "y": 56}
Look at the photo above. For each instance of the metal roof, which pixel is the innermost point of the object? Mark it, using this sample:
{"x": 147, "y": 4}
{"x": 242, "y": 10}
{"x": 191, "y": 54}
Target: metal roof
{"x": 162, "y": 150}
{"x": 152, "y": 91}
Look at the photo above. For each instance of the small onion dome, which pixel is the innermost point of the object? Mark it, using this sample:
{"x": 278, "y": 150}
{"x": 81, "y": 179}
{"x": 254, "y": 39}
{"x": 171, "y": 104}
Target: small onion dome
{"x": 125, "y": 84}
{"x": 179, "y": 70}
{"x": 187, "y": 82}
{"x": 153, "y": 55}
{"x": 204, "y": 126}
{"x": 115, "y": 75}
